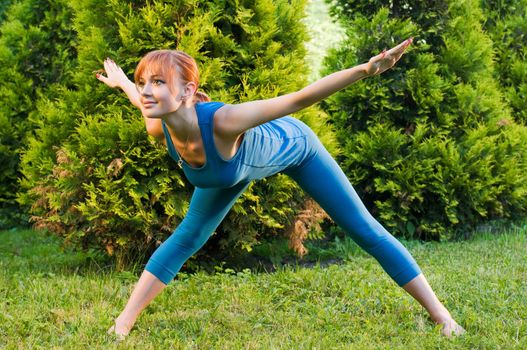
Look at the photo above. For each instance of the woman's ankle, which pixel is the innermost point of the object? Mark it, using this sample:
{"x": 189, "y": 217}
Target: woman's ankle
{"x": 123, "y": 324}
{"x": 440, "y": 315}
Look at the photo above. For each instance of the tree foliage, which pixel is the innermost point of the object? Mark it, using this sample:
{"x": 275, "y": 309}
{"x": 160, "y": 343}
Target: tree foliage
{"x": 93, "y": 175}
{"x": 36, "y": 49}
{"x": 507, "y": 26}
{"x": 431, "y": 145}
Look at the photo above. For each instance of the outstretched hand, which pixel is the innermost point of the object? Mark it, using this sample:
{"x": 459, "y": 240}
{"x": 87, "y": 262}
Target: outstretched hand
{"x": 387, "y": 59}
{"x": 115, "y": 76}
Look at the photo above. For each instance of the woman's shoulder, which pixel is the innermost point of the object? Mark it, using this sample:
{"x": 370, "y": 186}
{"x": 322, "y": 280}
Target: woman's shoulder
{"x": 206, "y": 110}
{"x": 207, "y": 106}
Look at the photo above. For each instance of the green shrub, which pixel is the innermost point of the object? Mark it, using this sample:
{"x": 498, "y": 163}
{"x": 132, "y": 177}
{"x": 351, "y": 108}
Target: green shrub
{"x": 430, "y": 144}
{"x": 507, "y": 26}
{"x": 94, "y": 176}
{"x": 35, "y": 54}
{"x": 4, "y": 5}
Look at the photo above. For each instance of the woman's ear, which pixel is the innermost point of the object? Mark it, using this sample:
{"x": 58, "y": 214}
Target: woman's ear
{"x": 189, "y": 89}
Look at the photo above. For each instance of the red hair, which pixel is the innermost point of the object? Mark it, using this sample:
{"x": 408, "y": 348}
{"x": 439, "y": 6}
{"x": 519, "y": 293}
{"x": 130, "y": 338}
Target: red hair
{"x": 171, "y": 64}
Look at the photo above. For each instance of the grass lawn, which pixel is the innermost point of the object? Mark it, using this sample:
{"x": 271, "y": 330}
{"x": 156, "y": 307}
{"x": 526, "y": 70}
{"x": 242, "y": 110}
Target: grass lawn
{"x": 54, "y": 299}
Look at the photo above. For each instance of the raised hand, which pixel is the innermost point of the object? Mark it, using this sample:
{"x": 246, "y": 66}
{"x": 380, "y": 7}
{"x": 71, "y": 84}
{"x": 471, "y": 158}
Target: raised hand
{"x": 387, "y": 59}
{"x": 115, "y": 76}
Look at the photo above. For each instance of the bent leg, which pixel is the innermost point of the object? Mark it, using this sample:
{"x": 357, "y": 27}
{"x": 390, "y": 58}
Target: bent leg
{"x": 208, "y": 207}
{"x": 322, "y": 178}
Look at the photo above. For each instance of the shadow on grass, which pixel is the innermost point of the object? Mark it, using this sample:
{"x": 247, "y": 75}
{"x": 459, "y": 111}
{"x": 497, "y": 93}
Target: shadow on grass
{"x": 41, "y": 254}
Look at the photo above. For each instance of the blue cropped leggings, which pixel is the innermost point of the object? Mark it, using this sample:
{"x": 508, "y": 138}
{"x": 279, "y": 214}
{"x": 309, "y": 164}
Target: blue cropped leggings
{"x": 319, "y": 176}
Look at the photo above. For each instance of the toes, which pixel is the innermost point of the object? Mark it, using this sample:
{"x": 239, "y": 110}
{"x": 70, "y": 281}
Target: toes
{"x": 452, "y": 329}
{"x": 459, "y": 330}
{"x": 119, "y": 336}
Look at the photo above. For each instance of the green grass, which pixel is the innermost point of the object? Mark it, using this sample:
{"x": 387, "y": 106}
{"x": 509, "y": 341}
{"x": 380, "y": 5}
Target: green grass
{"x": 54, "y": 299}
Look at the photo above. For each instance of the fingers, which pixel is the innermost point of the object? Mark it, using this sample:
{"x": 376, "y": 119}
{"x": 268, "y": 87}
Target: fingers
{"x": 396, "y": 50}
{"x": 118, "y": 336}
{"x": 112, "y": 75}
{"x": 102, "y": 78}
{"x": 387, "y": 58}
{"x": 383, "y": 57}
{"x": 403, "y": 45}
{"x": 394, "y": 54}
{"x": 406, "y": 43}
{"x": 380, "y": 56}
{"x": 399, "y": 49}
{"x": 111, "y": 67}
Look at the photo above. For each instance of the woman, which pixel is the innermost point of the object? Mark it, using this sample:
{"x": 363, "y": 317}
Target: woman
{"x": 223, "y": 147}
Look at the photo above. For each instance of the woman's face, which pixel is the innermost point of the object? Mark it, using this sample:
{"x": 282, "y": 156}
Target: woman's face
{"x": 157, "y": 99}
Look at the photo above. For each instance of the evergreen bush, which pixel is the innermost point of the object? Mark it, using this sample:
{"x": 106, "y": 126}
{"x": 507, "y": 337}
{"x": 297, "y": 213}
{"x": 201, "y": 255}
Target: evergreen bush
{"x": 94, "y": 176}
{"x": 4, "y": 5}
{"x": 430, "y": 145}
{"x": 507, "y": 26}
{"x": 35, "y": 54}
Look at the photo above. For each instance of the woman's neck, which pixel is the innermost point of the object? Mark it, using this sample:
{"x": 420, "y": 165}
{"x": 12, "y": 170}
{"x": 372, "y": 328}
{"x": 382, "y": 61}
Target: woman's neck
{"x": 183, "y": 122}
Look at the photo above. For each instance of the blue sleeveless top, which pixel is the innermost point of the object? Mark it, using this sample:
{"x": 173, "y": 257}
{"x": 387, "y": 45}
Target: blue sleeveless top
{"x": 265, "y": 150}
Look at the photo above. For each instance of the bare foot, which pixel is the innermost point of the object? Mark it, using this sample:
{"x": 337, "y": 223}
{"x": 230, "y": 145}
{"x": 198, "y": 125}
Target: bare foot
{"x": 451, "y": 328}
{"x": 120, "y": 330}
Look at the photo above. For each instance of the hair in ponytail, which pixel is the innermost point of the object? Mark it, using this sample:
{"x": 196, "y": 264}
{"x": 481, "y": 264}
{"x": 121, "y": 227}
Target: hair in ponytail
{"x": 200, "y": 96}
{"x": 171, "y": 64}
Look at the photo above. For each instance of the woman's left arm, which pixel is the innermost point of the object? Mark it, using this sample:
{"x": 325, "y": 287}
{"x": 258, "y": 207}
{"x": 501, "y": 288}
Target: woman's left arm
{"x": 232, "y": 120}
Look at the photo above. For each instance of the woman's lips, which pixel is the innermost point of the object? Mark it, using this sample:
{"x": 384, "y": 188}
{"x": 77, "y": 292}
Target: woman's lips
{"x": 147, "y": 104}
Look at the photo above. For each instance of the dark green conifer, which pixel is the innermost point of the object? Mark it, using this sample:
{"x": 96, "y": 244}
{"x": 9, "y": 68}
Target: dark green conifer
{"x": 93, "y": 174}
{"x": 36, "y": 53}
{"x": 430, "y": 145}
{"x": 507, "y": 26}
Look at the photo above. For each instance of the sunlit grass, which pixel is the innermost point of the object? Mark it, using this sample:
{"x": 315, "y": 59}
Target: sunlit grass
{"x": 58, "y": 299}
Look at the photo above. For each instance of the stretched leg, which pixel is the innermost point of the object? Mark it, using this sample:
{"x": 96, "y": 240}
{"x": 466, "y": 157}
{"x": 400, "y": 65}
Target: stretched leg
{"x": 322, "y": 178}
{"x": 207, "y": 209}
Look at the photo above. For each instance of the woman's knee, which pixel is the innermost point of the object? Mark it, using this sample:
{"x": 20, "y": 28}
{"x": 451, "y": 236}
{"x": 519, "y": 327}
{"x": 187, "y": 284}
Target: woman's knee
{"x": 367, "y": 232}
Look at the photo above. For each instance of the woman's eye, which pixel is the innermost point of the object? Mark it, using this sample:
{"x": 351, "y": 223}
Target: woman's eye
{"x": 157, "y": 82}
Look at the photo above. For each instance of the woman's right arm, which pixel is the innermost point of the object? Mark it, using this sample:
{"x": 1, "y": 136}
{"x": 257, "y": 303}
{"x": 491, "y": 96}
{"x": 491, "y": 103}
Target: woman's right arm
{"x": 115, "y": 78}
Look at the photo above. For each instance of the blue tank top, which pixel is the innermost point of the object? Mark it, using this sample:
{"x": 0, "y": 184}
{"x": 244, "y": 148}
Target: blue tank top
{"x": 265, "y": 150}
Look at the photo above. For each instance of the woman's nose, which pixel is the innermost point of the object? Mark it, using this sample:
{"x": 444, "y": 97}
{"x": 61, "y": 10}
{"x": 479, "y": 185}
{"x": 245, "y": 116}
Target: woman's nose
{"x": 146, "y": 89}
